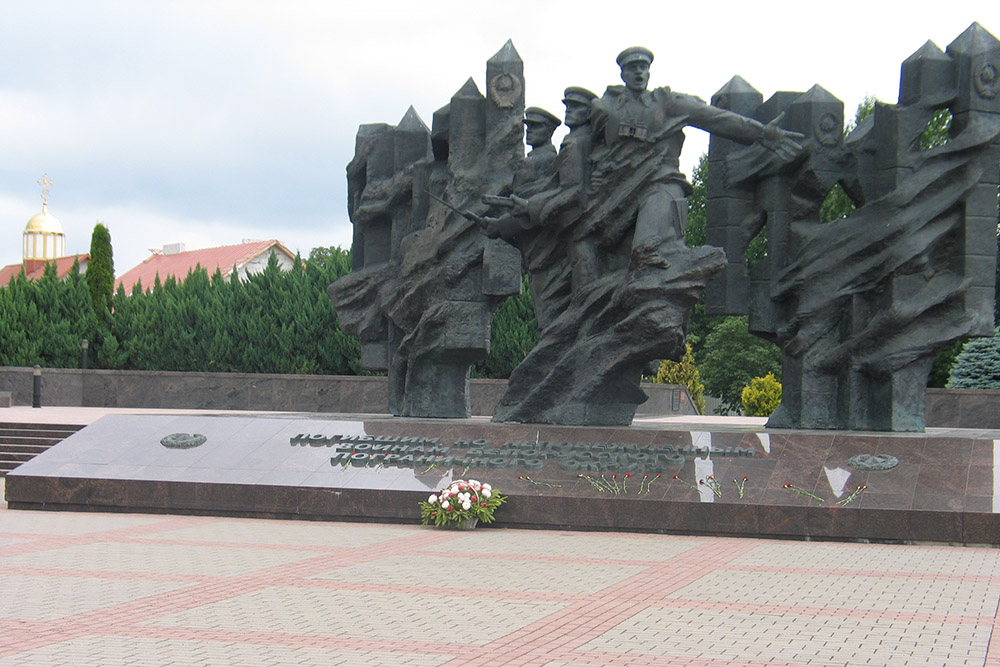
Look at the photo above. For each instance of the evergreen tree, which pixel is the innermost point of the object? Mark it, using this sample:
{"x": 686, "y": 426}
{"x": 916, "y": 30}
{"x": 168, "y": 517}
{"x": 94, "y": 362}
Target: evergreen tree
{"x": 44, "y": 322}
{"x": 272, "y": 322}
{"x": 696, "y": 223}
{"x": 943, "y": 363}
{"x": 513, "y": 334}
{"x": 701, "y": 324}
{"x": 19, "y": 322}
{"x": 978, "y": 364}
{"x": 336, "y": 351}
{"x": 101, "y": 269}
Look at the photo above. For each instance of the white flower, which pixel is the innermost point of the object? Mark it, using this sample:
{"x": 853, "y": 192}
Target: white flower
{"x": 445, "y": 506}
{"x": 474, "y": 484}
{"x": 486, "y": 493}
{"x": 466, "y": 505}
{"x": 487, "y": 487}
{"x": 433, "y": 499}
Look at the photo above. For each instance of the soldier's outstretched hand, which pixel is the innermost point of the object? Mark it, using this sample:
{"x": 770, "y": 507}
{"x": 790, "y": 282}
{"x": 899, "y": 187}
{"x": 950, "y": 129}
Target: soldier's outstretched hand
{"x": 520, "y": 205}
{"x": 784, "y": 143}
{"x": 491, "y": 227}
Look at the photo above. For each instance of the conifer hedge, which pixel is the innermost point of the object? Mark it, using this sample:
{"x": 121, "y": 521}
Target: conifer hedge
{"x": 271, "y": 322}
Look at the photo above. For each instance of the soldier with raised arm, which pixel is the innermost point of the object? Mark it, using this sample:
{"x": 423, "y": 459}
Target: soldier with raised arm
{"x": 638, "y": 135}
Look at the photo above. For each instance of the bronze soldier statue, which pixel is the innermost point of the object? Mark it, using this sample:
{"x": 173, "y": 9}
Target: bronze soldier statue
{"x": 640, "y": 132}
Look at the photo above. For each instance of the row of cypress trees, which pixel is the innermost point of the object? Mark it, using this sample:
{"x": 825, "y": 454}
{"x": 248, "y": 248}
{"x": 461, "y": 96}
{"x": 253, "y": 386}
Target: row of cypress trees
{"x": 43, "y": 322}
{"x": 272, "y": 322}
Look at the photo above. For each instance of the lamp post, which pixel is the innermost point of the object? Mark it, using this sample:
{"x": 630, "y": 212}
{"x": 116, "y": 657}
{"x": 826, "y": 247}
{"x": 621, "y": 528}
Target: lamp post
{"x": 83, "y": 353}
{"x": 36, "y": 388}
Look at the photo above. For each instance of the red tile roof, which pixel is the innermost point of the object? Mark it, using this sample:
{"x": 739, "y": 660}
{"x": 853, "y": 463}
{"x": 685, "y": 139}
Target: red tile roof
{"x": 63, "y": 267}
{"x": 8, "y": 272}
{"x": 181, "y": 263}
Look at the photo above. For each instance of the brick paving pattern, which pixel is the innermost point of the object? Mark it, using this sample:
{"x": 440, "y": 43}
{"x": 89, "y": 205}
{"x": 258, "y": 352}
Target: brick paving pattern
{"x": 99, "y": 589}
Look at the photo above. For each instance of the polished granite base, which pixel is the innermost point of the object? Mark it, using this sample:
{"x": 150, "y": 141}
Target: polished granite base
{"x": 798, "y": 484}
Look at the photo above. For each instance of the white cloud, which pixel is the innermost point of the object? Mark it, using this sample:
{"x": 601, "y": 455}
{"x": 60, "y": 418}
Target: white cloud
{"x": 208, "y": 122}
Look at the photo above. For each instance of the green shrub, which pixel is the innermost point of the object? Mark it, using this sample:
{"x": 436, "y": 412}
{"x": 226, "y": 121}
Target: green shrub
{"x": 684, "y": 372}
{"x": 761, "y": 396}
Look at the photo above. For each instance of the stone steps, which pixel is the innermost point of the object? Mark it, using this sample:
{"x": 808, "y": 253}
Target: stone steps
{"x": 22, "y": 442}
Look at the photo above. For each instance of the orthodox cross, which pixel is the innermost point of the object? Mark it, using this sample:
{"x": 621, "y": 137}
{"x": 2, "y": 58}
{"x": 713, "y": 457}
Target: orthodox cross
{"x": 45, "y": 183}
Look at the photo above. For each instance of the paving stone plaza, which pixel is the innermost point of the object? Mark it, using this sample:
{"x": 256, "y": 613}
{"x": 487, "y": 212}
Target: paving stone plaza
{"x": 103, "y": 589}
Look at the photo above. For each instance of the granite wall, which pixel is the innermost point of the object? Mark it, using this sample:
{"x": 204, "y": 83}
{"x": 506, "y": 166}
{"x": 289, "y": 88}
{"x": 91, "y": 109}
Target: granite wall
{"x": 963, "y": 408}
{"x": 253, "y": 391}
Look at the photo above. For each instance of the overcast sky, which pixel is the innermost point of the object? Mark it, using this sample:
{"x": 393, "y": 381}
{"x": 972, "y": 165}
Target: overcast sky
{"x": 211, "y": 122}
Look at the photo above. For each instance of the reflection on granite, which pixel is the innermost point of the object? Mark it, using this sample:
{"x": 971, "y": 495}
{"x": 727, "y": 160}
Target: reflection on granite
{"x": 943, "y": 489}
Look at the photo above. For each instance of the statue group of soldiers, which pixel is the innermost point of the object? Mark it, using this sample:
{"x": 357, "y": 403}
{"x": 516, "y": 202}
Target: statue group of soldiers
{"x": 613, "y": 196}
{"x": 859, "y": 308}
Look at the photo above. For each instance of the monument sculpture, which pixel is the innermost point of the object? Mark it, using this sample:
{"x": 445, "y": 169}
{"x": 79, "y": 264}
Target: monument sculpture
{"x": 425, "y": 280}
{"x": 860, "y": 306}
{"x": 446, "y": 218}
{"x": 633, "y": 281}
{"x": 541, "y": 252}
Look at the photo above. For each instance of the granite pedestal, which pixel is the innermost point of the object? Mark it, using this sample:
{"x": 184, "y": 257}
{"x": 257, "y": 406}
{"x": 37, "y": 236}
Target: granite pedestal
{"x": 943, "y": 488}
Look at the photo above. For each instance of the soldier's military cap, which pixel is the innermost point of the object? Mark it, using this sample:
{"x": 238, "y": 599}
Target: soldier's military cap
{"x": 539, "y": 115}
{"x": 634, "y": 53}
{"x": 578, "y": 94}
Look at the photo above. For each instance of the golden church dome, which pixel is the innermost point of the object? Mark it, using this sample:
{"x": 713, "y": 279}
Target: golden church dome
{"x": 44, "y": 223}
